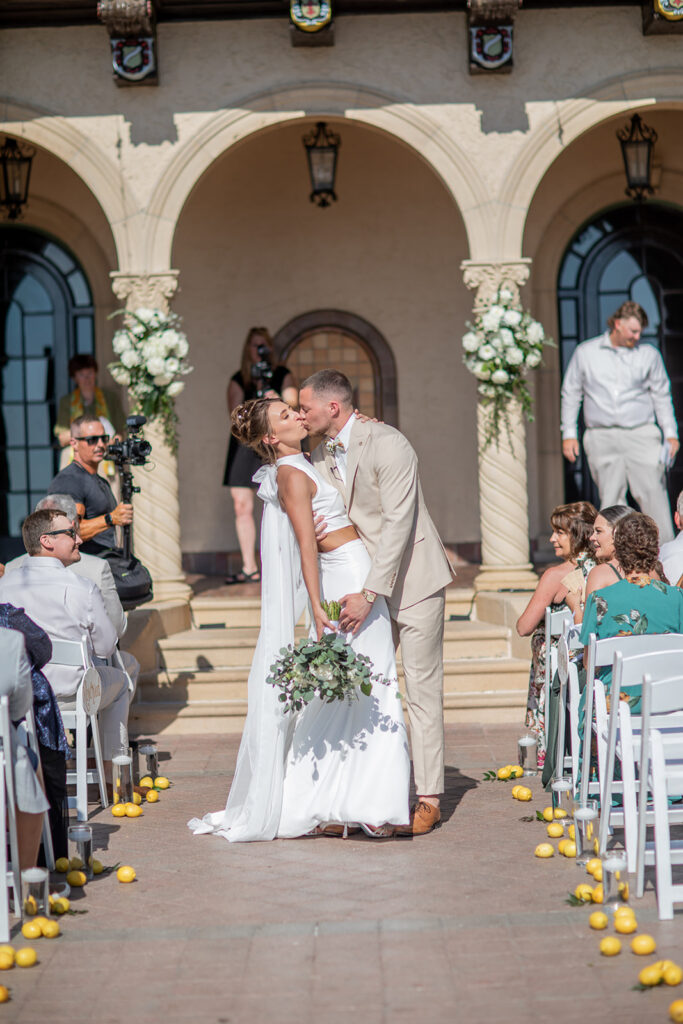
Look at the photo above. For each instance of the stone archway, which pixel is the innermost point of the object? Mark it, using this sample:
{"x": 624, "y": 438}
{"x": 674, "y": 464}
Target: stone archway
{"x": 331, "y": 338}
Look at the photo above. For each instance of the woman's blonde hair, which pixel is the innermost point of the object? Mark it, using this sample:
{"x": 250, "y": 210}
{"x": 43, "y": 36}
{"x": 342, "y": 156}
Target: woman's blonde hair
{"x": 245, "y": 368}
{"x": 251, "y": 426}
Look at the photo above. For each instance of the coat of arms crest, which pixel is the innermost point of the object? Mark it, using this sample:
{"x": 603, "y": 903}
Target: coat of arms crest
{"x": 133, "y": 58}
{"x": 310, "y": 15}
{"x": 670, "y": 9}
{"x": 491, "y": 46}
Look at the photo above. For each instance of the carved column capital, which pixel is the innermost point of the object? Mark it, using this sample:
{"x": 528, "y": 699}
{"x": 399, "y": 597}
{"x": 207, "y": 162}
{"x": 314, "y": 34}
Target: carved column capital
{"x": 486, "y": 277}
{"x": 153, "y": 291}
{"x": 127, "y": 17}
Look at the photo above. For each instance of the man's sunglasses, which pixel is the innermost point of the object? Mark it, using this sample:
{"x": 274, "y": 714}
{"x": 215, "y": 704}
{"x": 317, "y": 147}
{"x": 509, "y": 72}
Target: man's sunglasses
{"x": 71, "y": 532}
{"x": 92, "y": 441}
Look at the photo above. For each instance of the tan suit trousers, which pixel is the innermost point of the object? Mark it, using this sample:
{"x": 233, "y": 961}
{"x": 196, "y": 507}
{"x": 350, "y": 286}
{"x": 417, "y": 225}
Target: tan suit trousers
{"x": 419, "y": 630}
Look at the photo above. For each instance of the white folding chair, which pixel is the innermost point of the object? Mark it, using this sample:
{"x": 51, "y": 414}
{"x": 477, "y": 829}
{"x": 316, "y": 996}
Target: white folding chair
{"x": 619, "y": 739}
{"x": 569, "y": 697}
{"x": 600, "y": 655}
{"x": 76, "y": 654}
{"x": 666, "y": 780}
{"x": 28, "y": 727}
{"x": 555, "y": 623}
{"x": 9, "y": 872}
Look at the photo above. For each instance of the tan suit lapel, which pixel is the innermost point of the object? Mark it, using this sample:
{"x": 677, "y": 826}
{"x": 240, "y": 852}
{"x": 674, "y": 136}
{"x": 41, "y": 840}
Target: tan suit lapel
{"x": 331, "y": 471}
{"x": 357, "y": 443}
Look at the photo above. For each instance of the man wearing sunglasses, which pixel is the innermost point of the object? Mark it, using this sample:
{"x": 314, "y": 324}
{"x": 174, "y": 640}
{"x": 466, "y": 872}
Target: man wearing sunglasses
{"x": 94, "y": 498}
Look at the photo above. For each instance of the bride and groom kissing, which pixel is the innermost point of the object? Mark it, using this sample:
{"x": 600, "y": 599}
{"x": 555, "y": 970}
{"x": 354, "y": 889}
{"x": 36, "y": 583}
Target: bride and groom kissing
{"x": 350, "y": 525}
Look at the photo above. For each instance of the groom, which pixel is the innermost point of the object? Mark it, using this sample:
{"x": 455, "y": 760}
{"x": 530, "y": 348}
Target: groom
{"x": 375, "y": 469}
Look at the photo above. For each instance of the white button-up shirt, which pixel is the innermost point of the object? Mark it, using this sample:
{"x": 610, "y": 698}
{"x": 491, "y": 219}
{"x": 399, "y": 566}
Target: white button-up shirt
{"x": 619, "y": 387}
{"x": 67, "y": 607}
{"x": 340, "y": 456}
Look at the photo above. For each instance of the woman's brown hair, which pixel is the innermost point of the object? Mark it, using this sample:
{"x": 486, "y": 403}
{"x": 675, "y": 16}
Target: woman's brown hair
{"x": 576, "y": 520}
{"x": 245, "y": 368}
{"x": 636, "y": 544}
{"x": 250, "y": 425}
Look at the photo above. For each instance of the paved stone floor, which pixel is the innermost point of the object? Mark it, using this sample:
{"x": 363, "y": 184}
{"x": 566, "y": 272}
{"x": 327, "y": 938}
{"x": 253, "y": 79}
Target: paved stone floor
{"x": 463, "y": 925}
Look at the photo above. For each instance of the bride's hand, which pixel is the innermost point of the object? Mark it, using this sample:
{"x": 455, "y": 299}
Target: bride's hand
{"x": 322, "y": 623}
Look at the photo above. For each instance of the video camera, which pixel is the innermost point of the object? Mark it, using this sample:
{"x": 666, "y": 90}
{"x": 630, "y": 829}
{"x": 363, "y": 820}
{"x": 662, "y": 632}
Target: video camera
{"x": 134, "y": 450}
{"x": 262, "y": 371}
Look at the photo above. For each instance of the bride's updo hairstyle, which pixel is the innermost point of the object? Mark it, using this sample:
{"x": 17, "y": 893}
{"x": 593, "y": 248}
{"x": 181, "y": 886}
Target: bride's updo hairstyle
{"x": 636, "y": 543}
{"x": 251, "y": 426}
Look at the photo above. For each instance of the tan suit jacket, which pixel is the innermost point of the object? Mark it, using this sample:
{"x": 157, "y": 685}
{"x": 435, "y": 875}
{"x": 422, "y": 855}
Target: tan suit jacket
{"x": 384, "y": 501}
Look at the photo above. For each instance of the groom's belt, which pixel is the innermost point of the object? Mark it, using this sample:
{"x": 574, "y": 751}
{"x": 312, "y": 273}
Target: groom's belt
{"x": 335, "y": 539}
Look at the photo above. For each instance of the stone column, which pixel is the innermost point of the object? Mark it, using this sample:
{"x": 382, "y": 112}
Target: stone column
{"x": 503, "y": 495}
{"x": 156, "y": 527}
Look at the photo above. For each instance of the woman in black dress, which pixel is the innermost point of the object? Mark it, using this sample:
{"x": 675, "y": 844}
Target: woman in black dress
{"x": 250, "y": 382}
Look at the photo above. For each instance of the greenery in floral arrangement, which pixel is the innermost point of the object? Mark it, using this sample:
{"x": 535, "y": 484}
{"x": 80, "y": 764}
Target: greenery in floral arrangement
{"x": 327, "y": 668}
{"x": 332, "y": 609}
{"x": 500, "y": 348}
{"x": 151, "y": 352}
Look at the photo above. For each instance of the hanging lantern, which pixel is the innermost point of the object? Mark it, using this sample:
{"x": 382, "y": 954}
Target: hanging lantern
{"x": 637, "y": 143}
{"x": 322, "y": 146}
{"x": 15, "y": 171}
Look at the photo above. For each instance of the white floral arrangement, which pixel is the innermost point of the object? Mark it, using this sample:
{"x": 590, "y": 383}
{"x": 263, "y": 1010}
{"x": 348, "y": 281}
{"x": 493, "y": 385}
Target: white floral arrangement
{"x": 500, "y": 348}
{"x": 151, "y": 363}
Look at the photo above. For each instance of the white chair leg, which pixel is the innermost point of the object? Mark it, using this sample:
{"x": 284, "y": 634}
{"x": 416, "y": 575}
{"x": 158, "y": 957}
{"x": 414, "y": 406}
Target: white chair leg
{"x": 81, "y": 766}
{"x": 663, "y": 875}
{"x": 97, "y": 748}
{"x": 4, "y": 870}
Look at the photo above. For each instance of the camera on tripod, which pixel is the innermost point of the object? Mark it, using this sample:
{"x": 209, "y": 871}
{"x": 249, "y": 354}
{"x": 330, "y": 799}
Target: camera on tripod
{"x": 262, "y": 371}
{"x": 134, "y": 450}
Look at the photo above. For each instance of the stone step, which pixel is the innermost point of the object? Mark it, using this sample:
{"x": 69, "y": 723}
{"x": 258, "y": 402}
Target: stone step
{"x": 246, "y": 611}
{"x": 229, "y": 648}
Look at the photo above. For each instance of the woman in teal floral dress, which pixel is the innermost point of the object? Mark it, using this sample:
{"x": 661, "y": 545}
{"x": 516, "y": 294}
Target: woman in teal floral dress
{"x": 572, "y": 526}
{"x": 642, "y": 602}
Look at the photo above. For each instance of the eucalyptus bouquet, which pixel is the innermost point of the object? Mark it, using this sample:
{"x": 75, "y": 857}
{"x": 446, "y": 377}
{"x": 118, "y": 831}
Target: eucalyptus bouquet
{"x": 500, "y": 348}
{"x": 151, "y": 362}
{"x": 327, "y": 668}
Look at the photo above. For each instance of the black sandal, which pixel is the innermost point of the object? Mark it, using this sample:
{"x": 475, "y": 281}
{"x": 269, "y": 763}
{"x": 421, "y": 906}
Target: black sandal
{"x": 243, "y": 577}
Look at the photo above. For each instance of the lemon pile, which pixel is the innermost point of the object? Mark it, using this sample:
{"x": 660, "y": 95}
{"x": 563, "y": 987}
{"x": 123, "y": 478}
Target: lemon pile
{"x": 508, "y": 771}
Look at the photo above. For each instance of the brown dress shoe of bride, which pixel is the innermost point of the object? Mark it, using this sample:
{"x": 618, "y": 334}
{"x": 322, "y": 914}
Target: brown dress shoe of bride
{"x": 424, "y": 818}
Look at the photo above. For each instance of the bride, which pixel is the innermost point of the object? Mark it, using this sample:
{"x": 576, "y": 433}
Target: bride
{"x": 329, "y": 764}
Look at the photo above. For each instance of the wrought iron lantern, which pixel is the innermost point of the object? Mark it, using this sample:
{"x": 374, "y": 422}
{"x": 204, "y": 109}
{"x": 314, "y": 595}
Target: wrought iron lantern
{"x": 15, "y": 172}
{"x": 637, "y": 143}
{"x": 322, "y": 146}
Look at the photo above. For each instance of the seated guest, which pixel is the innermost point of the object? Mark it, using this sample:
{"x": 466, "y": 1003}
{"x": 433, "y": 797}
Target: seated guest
{"x": 608, "y": 570}
{"x": 94, "y": 498}
{"x": 15, "y": 684}
{"x": 52, "y": 743}
{"x": 641, "y": 602}
{"x": 572, "y": 526}
{"x": 68, "y": 606}
{"x": 671, "y": 554}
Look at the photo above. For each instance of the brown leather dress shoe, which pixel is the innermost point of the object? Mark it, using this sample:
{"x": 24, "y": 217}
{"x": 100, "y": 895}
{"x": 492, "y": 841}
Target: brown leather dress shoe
{"x": 423, "y": 819}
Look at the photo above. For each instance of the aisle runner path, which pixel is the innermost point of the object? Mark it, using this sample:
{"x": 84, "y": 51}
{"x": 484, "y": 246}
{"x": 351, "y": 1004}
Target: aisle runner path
{"x": 464, "y": 925}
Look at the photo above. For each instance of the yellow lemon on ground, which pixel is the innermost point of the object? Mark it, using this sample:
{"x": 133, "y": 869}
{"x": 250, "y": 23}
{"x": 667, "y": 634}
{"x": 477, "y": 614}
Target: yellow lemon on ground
{"x": 672, "y": 975}
{"x": 569, "y": 849}
{"x": 544, "y": 850}
{"x": 161, "y": 782}
{"x": 592, "y": 864}
{"x": 4, "y": 995}
{"x": 26, "y": 957}
{"x": 40, "y": 921}
{"x": 561, "y": 845}
{"x": 515, "y": 791}
{"x": 598, "y": 894}
{"x": 6, "y": 961}
{"x": 76, "y": 878}
{"x": 152, "y": 797}
{"x": 643, "y": 945}
{"x": 126, "y": 874}
{"x": 50, "y": 929}
{"x": 60, "y": 905}
{"x": 609, "y": 946}
{"x": 8, "y": 951}
{"x": 547, "y": 814}
{"x": 119, "y": 810}
{"x": 597, "y": 874}
{"x": 598, "y": 920}
{"x": 571, "y": 832}
{"x": 62, "y": 865}
{"x": 147, "y": 781}
{"x": 30, "y": 906}
{"x": 524, "y": 794}
{"x": 555, "y": 830}
{"x": 97, "y": 867}
{"x": 596, "y": 845}
{"x": 75, "y": 863}
{"x": 516, "y": 771}
{"x": 502, "y": 773}
{"x": 31, "y": 930}
{"x": 676, "y": 1011}
{"x": 133, "y": 811}
{"x": 583, "y": 892}
{"x": 650, "y": 975}
{"x": 559, "y": 813}
{"x": 623, "y": 891}
{"x": 137, "y": 799}
{"x": 625, "y": 925}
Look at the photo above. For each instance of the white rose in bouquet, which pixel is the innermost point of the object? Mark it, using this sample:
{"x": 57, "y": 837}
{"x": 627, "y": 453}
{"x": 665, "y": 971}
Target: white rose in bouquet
{"x": 514, "y": 356}
{"x": 533, "y": 359}
{"x": 121, "y": 342}
{"x": 148, "y": 316}
{"x": 505, "y": 295}
{"x": 162, "y": 379}
{"x": 480, "y": 372}
{"x": 535, "y": 332}
{"x": 512, "y": 317}
{"x": 172, "y": 365}
{"x": 506, "y": 336}
{"x": 120, "y": 375}
{"x": 490, "y": 320}
{"x": 500, "y": 377}
{"x": 182, "y": 347}
{"x": 487, "y": 352}
{"x": 175, "y": 388}
{"x": 470, "y": 342}
{"x": 131, "y": 357}
{"x": 155, "y": 366}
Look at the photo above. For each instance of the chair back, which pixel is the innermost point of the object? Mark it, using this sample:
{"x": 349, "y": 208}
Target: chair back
{"x": 74, "y": 653}
{"x": 556, "y": 623}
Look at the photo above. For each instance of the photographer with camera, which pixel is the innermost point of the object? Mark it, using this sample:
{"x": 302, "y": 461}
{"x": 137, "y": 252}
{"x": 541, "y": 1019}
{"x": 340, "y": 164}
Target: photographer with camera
{"x": 256, "y": 378}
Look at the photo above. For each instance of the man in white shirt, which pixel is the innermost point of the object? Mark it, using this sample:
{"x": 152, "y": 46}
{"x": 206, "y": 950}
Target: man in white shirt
{"x": 68, "y": 607}
{"x": 626, "y": 393}
{"x": 671, "y": 553}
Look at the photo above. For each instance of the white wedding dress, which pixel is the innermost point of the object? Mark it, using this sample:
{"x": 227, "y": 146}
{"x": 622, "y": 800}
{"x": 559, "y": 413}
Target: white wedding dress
{"x": 338, "y": 762}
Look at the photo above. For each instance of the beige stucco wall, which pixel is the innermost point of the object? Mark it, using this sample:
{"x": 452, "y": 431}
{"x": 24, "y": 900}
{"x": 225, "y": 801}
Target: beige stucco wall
{"x": 510, "y": 153}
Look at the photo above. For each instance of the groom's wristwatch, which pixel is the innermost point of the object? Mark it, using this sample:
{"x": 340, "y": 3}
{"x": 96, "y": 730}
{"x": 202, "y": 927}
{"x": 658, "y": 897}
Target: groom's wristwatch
{"x": 369, "y": 595}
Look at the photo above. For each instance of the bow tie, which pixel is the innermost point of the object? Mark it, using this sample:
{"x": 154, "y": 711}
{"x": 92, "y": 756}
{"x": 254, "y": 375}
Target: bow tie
{"x": 332, "y": 444}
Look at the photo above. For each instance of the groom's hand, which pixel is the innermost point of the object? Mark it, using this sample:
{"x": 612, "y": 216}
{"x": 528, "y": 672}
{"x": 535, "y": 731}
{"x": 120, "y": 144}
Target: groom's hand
{"x": 355, "y": 610}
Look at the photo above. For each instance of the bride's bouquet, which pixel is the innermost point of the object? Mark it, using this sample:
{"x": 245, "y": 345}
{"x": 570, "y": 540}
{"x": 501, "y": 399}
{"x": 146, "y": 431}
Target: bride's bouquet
{"x": 328, "y": 668}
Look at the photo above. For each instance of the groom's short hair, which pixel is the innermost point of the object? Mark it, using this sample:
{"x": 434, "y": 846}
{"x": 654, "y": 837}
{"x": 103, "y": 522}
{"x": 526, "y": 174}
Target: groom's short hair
{"x": 332, "y": 384}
